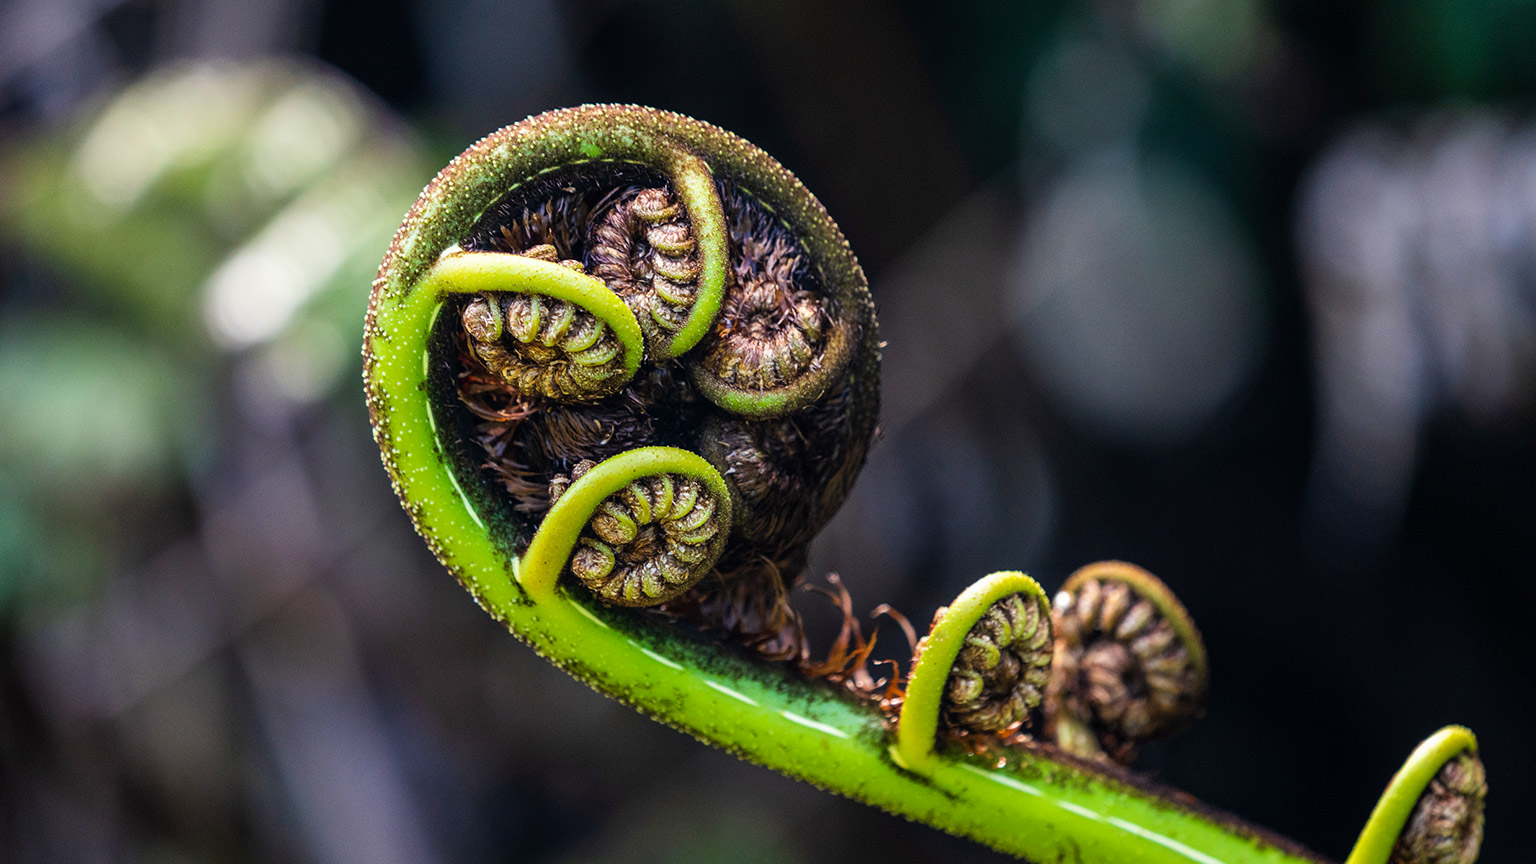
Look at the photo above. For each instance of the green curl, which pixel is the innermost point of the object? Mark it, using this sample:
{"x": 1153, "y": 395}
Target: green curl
{"x": 1403, "y": 791}
{"x": 552, "y": 544}
{"x": 484, "y": 272}
{"x": 918, "y": 727}
{"x": 706, "y": 217}
{"x": 778, "y": 401}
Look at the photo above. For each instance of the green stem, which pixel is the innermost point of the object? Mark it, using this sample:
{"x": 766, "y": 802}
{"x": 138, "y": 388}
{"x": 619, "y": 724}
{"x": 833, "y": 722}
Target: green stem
{"x": 1032, "y": 801}
{"x": 1037, "y": 805}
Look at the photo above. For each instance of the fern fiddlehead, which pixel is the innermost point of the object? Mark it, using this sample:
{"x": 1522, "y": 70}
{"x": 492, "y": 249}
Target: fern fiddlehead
{"x": 615, "y": 358}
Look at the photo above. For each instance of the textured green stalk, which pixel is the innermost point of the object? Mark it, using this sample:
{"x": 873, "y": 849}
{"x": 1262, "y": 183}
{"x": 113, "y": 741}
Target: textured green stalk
{"x": 1034, "y": 806}
{"x": 1031, "y": 801}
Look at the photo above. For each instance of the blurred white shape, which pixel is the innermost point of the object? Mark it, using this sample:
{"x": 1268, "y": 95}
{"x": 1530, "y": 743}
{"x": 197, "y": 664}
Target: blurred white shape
{"x": 1416, "y": 245}
{"x": 257, "y": 291}
{"x": 303, "y": 132}
{"x": 170, "y": 120}
{"x": 1138, "y": 297}
{"x": 253, "y": 294}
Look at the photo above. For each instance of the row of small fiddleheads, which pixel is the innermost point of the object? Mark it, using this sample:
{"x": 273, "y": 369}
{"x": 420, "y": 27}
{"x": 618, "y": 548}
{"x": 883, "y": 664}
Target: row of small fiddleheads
{"x": 618, "y": 358}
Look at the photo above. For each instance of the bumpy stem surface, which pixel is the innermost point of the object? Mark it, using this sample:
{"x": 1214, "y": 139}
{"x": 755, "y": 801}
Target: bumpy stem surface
{"x": 1033, "y": 801}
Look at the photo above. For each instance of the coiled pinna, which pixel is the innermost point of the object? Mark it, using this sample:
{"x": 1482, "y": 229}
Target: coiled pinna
{"x": 1129, "y": 664}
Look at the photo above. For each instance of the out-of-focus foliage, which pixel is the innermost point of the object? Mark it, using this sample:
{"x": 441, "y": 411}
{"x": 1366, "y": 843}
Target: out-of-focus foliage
{"x": 218, "y": 202}
{"x": 210, "y": 213}
{"x": 93, "y": 415}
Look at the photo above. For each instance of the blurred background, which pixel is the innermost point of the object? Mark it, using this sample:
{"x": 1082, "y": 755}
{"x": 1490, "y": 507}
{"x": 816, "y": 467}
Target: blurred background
{"x": 1241, "y": 290}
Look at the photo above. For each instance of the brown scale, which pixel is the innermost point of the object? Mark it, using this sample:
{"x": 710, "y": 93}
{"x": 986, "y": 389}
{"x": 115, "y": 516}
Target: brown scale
{"x": 789, "y": 475}
{"x": 527, "y": 442}
{"x": 791, "y": 472}
{"x": 643, "y": 249}
{"x": 559, "y": 222}
{"x": 773, "y": 322}
{"x": 1121, "y": 668}
{"x": 1002, "y": 670}
{"x": 746, "y": 598}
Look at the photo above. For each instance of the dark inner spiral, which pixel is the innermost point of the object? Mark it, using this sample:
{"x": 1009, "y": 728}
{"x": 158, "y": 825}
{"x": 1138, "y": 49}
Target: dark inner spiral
{"x": 790, "y": 472}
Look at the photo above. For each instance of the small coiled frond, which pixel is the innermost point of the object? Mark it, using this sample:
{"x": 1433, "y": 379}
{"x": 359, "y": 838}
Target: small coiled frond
{"x": 1002, "y": 669}
{"x": 1432, "y": 809}
{"x": 782, "y": 340}
{"x": 545, "y": 347}
{"x": 979, "y": 669}
{"x": 648, "y": 542}
{"x": 643, "y": 249}
{"x": 1129, "y": 665}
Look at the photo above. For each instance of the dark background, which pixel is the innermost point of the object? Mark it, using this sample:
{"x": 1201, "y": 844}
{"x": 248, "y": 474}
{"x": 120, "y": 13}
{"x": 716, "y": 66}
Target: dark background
{"x": 1242, "y": 291}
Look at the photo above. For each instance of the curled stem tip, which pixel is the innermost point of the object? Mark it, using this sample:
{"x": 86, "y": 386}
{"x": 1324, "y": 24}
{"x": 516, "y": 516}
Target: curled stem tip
{"x": 1002, "y": 669}
{"x": 1432, "y": 810}
{"x": 637, "y": 529}
{"x": 1129, "y": 666}
{"x": 544, "y": 327}
{"x": 646, "y": 250}
{"x": 982, "y": 667}
{"x": 784, "y": 338}
{"x": 1446, "y": 825}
